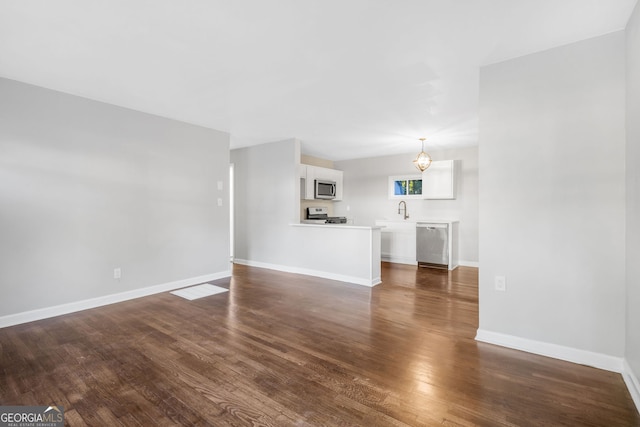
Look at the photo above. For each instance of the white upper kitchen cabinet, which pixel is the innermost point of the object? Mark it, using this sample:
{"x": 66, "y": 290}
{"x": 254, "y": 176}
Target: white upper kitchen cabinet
{"x": 307, "y": 174}
{"x": 438, "y": 181}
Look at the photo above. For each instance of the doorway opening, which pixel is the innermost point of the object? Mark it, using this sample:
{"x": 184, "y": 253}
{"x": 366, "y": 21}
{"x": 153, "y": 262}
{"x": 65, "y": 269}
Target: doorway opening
{"x": 231, "y": 213}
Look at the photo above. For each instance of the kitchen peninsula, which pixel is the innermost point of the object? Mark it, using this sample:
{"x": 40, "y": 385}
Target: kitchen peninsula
{"x": 343, "y": 252}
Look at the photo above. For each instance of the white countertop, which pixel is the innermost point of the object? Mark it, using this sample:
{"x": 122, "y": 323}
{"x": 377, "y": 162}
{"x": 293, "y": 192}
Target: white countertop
{"x": 414, "y": 221}
{"x": 349, "y": 226}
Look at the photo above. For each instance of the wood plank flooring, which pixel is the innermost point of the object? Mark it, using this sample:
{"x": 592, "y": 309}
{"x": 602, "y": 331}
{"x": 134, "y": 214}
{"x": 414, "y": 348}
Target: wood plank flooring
{"x": 283, "y": 349}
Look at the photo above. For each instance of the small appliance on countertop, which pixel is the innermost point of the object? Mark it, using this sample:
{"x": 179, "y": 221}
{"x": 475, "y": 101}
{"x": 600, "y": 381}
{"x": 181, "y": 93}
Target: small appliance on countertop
{"x": 320, "y": 215}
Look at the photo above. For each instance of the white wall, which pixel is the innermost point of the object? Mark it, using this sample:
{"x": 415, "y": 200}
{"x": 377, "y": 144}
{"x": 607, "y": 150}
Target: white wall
{"x": 552, "y": 196}
{"x": 633, "y": 193}
{"x": 267, "y": 197}
{"x": 86, "y": 187}
{"x": 366, "y": 193}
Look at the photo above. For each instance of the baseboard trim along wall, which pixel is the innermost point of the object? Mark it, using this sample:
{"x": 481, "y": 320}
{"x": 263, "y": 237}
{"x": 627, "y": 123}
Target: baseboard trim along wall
{"x": 475, "y": 264}
{"x": 409, "y": 261}
{"x": 582, "y": 357}
{"x": 58, "y": 310}
{"x": 569, "y": 354}
{"x": 398, "y": 260}
{"x": 309, "y": 272}
{"x": 633, "y": 385}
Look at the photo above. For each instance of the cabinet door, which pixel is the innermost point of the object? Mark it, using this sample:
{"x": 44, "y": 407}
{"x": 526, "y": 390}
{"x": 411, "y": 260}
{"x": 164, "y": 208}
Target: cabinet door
{"x": 438, "y": 180}
{"x": 403, "y": 245}
{"x": 338, "y": 178}
{"x": 398, "y": 242}
{"x": 309, "y": 178}
{"x": 322, "y": 173}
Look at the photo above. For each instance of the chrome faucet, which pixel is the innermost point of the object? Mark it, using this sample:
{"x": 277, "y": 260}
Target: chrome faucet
{"x": 402, "y": 202}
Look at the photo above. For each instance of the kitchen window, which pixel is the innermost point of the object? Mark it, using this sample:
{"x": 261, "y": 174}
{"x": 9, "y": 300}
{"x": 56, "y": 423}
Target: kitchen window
{"x": 405, "y": 187}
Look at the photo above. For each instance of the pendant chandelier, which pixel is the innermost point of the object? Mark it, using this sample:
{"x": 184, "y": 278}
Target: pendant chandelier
{"x": 423, "y": 161}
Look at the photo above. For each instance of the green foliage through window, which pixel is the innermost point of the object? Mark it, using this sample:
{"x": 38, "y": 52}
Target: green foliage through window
{"x": 406, "y": 187}
{"x": 415, "y": 186}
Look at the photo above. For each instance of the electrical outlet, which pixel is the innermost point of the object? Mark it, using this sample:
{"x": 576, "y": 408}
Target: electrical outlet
{"x": 219, "y": 201}
{"x": 117, "y": 273}
{"x": 500, "y": 283}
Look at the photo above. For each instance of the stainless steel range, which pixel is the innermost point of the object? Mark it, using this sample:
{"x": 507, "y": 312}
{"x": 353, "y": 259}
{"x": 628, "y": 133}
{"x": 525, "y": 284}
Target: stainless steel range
{"x": 320, "y": 215}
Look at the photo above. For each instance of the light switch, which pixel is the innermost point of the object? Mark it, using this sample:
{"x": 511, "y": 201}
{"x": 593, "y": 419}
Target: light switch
{"x": 219, "y": 201}
{"x": 220, "y": 186}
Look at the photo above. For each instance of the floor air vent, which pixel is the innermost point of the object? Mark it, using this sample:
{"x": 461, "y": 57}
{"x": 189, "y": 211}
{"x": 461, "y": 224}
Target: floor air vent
{"x": 199, "y": 291}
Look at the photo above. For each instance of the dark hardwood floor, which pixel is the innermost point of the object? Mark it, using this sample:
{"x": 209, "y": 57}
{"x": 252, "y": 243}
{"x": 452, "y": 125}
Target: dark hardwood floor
{"x": 284, "y": 349}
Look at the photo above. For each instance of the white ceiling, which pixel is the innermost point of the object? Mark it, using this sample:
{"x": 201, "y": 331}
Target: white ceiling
{"x": 349, "y": 78}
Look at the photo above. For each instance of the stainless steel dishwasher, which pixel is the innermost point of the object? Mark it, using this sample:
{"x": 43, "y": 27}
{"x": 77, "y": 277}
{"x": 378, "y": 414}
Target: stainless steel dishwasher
{"x": 432, "y": 244}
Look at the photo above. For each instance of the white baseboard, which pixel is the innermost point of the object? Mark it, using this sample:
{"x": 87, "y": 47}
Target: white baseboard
{"x": 398, "y": 260}
{"x": 58, "y": 310}
{"x": 410, "y": 261}
{"x": 310, "y": 272}
{"x": 469, "y": 264}
{"x": 582, "y": 357}
{"x": 633, "y": 385}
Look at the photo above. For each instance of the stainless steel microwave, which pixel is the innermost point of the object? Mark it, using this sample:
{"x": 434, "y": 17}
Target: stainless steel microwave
{"x": 325, "y": 189}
